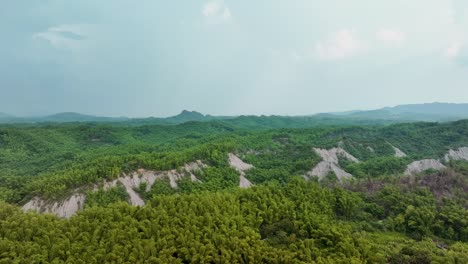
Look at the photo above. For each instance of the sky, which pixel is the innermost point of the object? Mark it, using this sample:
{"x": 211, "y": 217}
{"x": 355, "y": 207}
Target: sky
{"x": 229, "y": 57}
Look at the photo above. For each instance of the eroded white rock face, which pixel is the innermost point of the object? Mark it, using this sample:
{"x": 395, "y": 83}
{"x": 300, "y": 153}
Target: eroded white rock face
{"x": 193, "y": 178}
{"x": 107, "y": 185}
{"x": 174, "y": 176}
{"x": 130, "y": 183}
{"x": 399, "y": 153}
{"x": 324, "y": 167}
{"x": 331, "y": 155}
{"x": 423, "y": 165}
{"x": 69, "y": 206}
{"x": 133, "y": 181}
{"x": 194, "y": 166}
{"x": 65, "y": 208}
{"x": 329, "y": 163}
{"x": 459, "y": 154}
{"x": 244, "y": 183}
{"x": 236, "y": 163}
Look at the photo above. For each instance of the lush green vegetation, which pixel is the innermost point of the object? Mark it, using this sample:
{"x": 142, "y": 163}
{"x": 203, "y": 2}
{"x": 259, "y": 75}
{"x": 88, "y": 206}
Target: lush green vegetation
{"x": 379, "y": 217}
{"x": 300, "y": 222}
{"x": 106, "y": 197}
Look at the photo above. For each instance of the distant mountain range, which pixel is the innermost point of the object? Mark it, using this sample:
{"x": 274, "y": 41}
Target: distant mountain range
{"x": 58, "y": 118}
{"x": 414, "y": 112}
{"x": 403, "y": 113}
{"x": 69, "y": 117}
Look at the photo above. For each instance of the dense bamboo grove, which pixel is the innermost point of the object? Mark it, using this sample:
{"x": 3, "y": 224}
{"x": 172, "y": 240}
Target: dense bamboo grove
{"x": 297, "y": 223}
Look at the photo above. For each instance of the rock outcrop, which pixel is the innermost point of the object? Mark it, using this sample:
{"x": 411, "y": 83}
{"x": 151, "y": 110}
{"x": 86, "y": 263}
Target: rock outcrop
{"x": 398, "y": 152}
{"x": 70, "y": 205}
{"x": 194, "y": 166}
{"x": 236, "y": 163}
{"x": 130, "y": 182}
{"x": 330, "y": 163}
{"x": 64, "y": 208}
{"x": 423, "y": 165}
{"x": 459, "y": 154}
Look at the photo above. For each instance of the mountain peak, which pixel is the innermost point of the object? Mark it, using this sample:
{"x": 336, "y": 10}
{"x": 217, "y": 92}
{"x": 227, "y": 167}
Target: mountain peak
{"x": 186, "y": 116}
{"x": 187, "y": 113}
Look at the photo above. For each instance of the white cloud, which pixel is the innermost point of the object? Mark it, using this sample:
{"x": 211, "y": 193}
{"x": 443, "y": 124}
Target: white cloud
{"x": 454, "y": 43}
{"x": 391, "y": 37}
{"x": 216, "y": 11}
{"x": 64, "y": 36}
{"x": 226, "y": 14}
{"x": 453, "y": 50}
{"x": 340, "y": 45}
{"x": 211, "y": 8}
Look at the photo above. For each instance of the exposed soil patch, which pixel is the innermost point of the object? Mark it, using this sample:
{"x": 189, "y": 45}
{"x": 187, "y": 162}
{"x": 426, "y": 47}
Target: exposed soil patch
{"x": 399, "y": 153}
{"x": 423, "y": 165}
{"x": 459, "y": 154}
{"x": 69, "y": 206}
{"x": 236, "y": 163}
{"x": 330, "y": 163}
{"x": 65, "y": 208}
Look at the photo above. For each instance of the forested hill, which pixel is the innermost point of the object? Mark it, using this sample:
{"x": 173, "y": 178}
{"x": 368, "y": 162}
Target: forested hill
{"x": 235, "y": 191}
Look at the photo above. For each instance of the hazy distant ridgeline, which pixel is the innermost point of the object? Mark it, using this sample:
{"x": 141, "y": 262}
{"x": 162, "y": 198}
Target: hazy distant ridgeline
{"x": 403, "y": 113}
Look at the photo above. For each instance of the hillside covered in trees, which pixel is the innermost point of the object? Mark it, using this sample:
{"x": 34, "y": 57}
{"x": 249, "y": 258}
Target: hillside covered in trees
{"x": 243, "y": 190}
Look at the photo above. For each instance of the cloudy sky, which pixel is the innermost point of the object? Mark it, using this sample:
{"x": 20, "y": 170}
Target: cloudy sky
{"x": 155, "y": 57}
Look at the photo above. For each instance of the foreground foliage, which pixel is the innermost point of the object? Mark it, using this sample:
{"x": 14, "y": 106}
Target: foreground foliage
{"x": 300, "y": 222}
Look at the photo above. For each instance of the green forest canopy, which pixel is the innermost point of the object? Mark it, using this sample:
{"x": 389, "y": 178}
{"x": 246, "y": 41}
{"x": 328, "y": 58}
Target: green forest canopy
{"x": 379, "y": 217}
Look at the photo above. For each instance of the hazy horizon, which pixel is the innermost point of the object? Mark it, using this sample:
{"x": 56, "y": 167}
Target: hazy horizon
{"x": 156, "y": 58}
{"x": 211, "y": 114}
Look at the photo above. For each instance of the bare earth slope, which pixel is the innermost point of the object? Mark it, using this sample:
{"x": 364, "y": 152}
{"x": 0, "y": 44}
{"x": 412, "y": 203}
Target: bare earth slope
{"x": 398, "y": 152}
{"x": 459, "y": 154}
{"x": 329, "y": 163}
{"x": 70, "y": 205}
{"x": 423, "y": 165}
{"x": 236, "y": 163}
